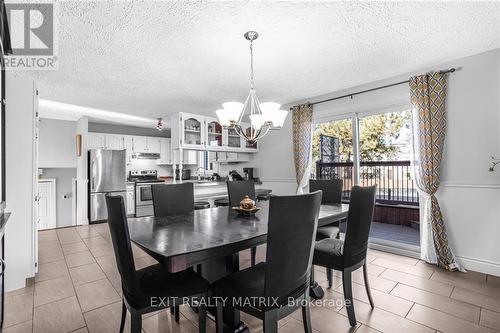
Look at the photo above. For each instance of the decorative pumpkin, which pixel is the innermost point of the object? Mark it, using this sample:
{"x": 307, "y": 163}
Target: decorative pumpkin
{"x": 247, "y": 203}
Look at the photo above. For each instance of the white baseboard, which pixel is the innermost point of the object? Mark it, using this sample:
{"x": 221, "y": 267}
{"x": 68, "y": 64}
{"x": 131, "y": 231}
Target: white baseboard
{"x": 482, "y": 266}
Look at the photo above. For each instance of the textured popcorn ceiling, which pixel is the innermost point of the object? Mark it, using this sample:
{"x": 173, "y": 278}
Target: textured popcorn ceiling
{"x": 156, "y": 58}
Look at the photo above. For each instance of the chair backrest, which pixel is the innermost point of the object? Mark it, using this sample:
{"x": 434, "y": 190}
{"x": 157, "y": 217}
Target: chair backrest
{"x": 171, "y": 199}
{"x": 359, "y": 220}
{"x": 292, "y": 225}
{"x": 331, "y": 188}
{"x": 238, "y": 189}
{"x": 118, "y": 227}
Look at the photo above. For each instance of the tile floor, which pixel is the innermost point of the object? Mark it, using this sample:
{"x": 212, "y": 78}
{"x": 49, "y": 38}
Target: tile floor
{"x": 77, "y": 289}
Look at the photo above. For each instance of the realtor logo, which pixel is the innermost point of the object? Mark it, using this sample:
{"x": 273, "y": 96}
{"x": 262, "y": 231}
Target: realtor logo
{"x": 32, "y": 35}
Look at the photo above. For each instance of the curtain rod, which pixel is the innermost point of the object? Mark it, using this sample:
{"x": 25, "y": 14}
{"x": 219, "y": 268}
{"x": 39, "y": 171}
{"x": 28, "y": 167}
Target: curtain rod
{"x": 451, "y": 70}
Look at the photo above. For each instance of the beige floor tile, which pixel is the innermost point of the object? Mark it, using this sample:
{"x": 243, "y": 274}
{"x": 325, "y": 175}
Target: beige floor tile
{"x": 74, "y": 247}
{"x": 26, "y": 327}
{"x": 101, "y": 250}
{"x": 86, "y": 273}
{"x": 107, "y": 264}
{"x": 144, "y": 262}
{"x": 490, "y": 319}
{"x": 469, "y": 296}
{"x": 68, "y": 235}
{"x": 293, "y": 326}
{"x": 53, "y": 290}
{"x": 471, "y": 280}
{"x": 86, "y": 231}
{"x": 61, "y": 316}
{"x": 21, "y": 291}
{"x": 190, "y": 315}
{"x": 393, "y": 257}
{"x": 164, "y": 322}
{"x": 97, "y": 240}
{"x": 442, "y": 303}
{"x": 47, "y": 236}
{"x": 81, "y": 330}
{"x": 382, "y": 300}
{"x": 116, "y": 281}
{"x": 375, "y": 282}
{"x": 79, "y": 259}
{"x": 96, "y": 294}
{"x": 324, "y": 320}
{"x": 51, "y": 270}
{"x": 443, "y": 322}
{"x": 18, "y": 309}
{"x": 493, "y": 281}
{"x": 49, "y": 252}
{"x": 418, "y": 282}
{"x": 106, "y": 319}
{"x": 138, "y": 253}
{"x": 386, "y": 321}
{"x": 366, "y": 329}
{"x": 420, "y": 271}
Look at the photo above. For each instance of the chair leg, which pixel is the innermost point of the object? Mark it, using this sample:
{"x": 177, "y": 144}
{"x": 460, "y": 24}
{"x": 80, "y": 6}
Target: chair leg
{"x": 347, "y": 284}
{"x": 219, "y": 319}
{"x": 271, "y": 321}
{"x": 329, "y": 276}
{"x": 367, "y": 285}
{"x": 136, "y": 326}
{"x": 306, "y": 314}
{"x": 202, "y": 318}
{"x": 172, "y": 310}
{"x": 124, "y": 316}
{"x": 253, "y": 255}
{"x": 176, "y": 313}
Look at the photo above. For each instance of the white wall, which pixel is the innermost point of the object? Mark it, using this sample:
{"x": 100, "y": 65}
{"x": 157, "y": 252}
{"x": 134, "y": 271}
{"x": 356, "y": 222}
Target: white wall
{"x": 57, "y": 144}
{"x": 20, "y": 176}
{"x": 470, "y": 194}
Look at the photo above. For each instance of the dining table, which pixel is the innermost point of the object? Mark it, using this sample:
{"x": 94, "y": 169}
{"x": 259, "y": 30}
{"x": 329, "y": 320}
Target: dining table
{"x": 211, "y": 239}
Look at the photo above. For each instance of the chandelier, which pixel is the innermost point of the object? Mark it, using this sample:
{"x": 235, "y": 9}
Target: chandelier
{"x": 262, "y": 116}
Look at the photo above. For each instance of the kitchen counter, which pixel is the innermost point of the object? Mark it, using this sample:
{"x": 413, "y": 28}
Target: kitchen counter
{"x": 205, "y": 189}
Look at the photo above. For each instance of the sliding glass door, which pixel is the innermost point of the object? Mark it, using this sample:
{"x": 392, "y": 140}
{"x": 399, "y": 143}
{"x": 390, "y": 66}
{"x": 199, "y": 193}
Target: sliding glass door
{"x": 373, "y": 149}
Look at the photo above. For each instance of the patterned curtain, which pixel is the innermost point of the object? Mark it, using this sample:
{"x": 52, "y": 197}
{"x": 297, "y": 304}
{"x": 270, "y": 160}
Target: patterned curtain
{"x": 302, "y": 144}
{"x": 428, "y": 94}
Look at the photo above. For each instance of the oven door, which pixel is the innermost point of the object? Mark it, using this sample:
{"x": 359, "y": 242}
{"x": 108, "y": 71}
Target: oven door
{"x": 144, "y": 195}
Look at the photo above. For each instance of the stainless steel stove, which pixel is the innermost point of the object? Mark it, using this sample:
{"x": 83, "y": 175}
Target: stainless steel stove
{"x": 143, "y": 197}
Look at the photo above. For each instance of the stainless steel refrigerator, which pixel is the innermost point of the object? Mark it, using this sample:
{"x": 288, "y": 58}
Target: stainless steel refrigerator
{"x": 107, "y": 174}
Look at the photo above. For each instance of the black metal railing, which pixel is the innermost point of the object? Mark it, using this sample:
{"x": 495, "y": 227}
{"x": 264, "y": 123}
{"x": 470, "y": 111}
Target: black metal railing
{"x": 394, "y": 180}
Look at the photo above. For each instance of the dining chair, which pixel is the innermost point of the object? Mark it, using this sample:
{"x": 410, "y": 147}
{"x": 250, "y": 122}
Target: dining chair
{"x": 171, "y": 199}
{"x": 332, "y": 194}
{"x": 153, "y": 284}
{"x": 292, "y": 225}
{"x": 236, "y": 191}
{"x": 350, "y": 254}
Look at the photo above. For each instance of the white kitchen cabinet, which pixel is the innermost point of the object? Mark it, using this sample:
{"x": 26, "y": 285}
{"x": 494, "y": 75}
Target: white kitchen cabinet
{"x": 129, "y": 147}
{"x": 165, "y": 152}
{"x": 188, "y": 131}
{"x": 140, "y": 144}
{"x": 114, "y": 142}
{"x": 97, "y": 141}
{"x": 232, "y": 139}
{"x": 214, "y": 136}
{"x": 247, "y": 147}
{"x": 153, "y": 145}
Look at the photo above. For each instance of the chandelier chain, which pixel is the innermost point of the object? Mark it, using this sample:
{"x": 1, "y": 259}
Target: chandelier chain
{"x": 252, "y": 83}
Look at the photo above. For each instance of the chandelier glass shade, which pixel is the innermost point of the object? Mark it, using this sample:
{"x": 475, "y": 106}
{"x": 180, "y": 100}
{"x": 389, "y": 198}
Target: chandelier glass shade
{"x": 262, "y": 116}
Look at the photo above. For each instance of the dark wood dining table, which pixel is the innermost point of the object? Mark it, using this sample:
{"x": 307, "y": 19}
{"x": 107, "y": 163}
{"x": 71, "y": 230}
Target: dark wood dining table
{"x": 212, "y": 237}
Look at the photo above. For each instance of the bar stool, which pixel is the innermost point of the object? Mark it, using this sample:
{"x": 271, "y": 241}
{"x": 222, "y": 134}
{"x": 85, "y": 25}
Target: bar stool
{"x": 221, "y": 202}
{"x": 201, "y": 205}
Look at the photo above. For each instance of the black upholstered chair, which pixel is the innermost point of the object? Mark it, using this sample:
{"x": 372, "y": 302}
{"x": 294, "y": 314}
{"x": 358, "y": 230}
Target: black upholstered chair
{"x": 236, "y": 191}
{"x": 350, "y": 254}
{"x": 285, "y": 274}
{"x": 332, "y": 194}
{"x": 170, "y": 199}
{"x": 141, "y": 287}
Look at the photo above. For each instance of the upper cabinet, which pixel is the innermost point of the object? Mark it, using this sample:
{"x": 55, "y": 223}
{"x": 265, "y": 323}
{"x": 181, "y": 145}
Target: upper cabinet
{"x": 165, "y": 152}
{"x": 188, "y": 131}
{"x": 106, "y": 141}
{"x": 195, "y": 132}
{"x": 97, "y": 141}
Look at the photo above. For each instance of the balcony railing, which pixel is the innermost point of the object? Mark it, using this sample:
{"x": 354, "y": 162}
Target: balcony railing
{"x": 395, "y": 185}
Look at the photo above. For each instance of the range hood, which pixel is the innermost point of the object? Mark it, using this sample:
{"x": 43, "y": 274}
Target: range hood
{"x": 146, "y": 156}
